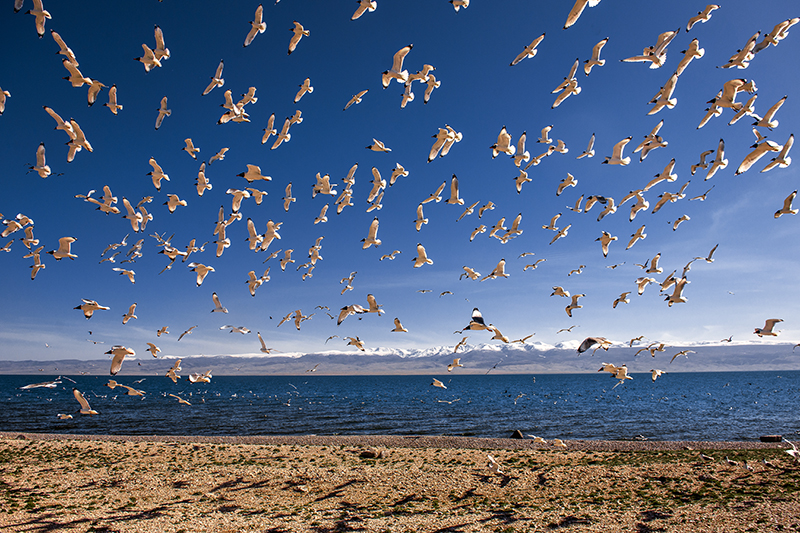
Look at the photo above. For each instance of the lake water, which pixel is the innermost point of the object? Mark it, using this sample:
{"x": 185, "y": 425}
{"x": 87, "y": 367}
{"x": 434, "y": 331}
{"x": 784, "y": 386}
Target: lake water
{"x": 714, "y": 406}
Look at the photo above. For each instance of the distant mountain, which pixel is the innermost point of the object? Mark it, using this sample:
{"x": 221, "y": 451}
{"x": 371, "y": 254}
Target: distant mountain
{"x": 513, "y": 358}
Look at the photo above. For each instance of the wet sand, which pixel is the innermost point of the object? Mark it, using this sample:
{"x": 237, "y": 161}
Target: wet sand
{"x": 391, "y": 483}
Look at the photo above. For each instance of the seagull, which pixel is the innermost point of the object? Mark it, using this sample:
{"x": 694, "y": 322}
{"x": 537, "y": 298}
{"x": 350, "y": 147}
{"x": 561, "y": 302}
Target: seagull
{"x": 187, "y": 332}
{"x": 621, "y": 374}
{"x": 767, "y": 329}
{"x": 356, "y": 99}
{"x": 264, "y": 348}
{"x": 390, "y": 256}
{"x": 778, "y": 33}
{"x": 162, "y": 112}
{"x": 702, "y": 16}
{"x": 588, "y": 342}
{"x": 364, "y": 6}
{"x": 396, "y": 72}
{"x": 284, "y": 135}
{"x": 569, "y": 181}
{"x": 561, "y": 233}
{"x": 420, "y": 218}
{"x": 533, "y": 265}
{"x": 190, "y": 148}
{"x": 41, "y": 166}
{"x": 664, "y": 97}
{"x": 573, "y": 304}
{"x": 422, "y": 258}
{"x": 305, "y": 87}
{"x": 782, "y": 160}
{"x": 131, "y": 391}
{"x": 595, "y": 61}
{"x": 39, "y": 12}
{"x": 398, "y": 327}
{"x": 89, "y": 307}
{"x": 476, "y": 322}
{"x": 455, "y": 364}
{"x": 560, "y": 291}
{"x": 157, "y": 174}
{"x": 217, "y": 305}
{"x": 498, "y": 272}
{"x": 678, "y": 221}
{"x": 130, "y": 314}
{"x": 640, "y": 234}
{"x": 372, "y": 235}
{"x": 219, "y": 156}
{"x": 494, "y": 466}
{"x": 623, "y": 298}
{"x": 437, "y": 383}
{"x": 257, "y": 26}
{"x": 709, "y": 258}
{"x": 577, "y": 10}
{"x": 552, "y": 225}
{"x": 767, "y": 120}
{"x": 692, "y": 52}
{"x": 656, "y": 54}
{"x": 378, "y": 146}
{"x": 153, "y": 349}
{"x": 528, "y": 51}
{"x": 85, "y": 408}
{"x": 570, "y": 89}
{"x": 181, "y": 400}
{"x": 605, "y": 239}
{"x": 358, "y": 343}
{"x": 119, "y": 352}
{"x": 616, "y": 155}
{"x": 64, "y": 249}
{"x": 503, "y": 144}
{"x": 787, "y": 206}
{"x": 298, "y": 32}
{"x": 684, "y": 353}
{"x": 454, "y": 199}
{"x": 643, "y": 282}
{"x": 654, "y": 373}
{"x": 200, "y": 378}
{"x": 589, "y": 152}
{"x": 238, "y": 329}
{"x": 216, "y": 80}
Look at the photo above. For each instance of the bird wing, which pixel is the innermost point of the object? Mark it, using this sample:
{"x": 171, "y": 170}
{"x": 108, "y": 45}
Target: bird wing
{"x": 81, "y": 400}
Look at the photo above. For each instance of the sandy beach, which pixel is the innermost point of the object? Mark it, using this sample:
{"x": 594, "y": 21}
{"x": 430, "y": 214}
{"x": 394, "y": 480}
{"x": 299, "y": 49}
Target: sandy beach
{"x": 391, "y": 483}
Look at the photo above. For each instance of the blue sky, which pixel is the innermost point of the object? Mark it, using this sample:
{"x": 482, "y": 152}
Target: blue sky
{"x": 752, "y": 278}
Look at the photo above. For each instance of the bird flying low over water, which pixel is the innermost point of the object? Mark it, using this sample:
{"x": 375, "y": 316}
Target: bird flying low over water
{"x": 85, "y": 408}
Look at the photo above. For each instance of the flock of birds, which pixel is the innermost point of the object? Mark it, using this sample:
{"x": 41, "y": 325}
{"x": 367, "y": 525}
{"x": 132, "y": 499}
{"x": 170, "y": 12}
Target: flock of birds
{"x": 136, "y": 213}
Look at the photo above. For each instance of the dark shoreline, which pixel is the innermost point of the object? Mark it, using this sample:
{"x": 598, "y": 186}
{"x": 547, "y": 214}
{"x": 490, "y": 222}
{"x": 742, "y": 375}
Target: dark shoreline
{"x": 414, "y": 441}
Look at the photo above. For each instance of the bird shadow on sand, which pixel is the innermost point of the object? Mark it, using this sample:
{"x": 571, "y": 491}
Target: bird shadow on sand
{"x": 338, "y": 490}
{"x": 568, "y": 522}
{"x": 50, "y": 522}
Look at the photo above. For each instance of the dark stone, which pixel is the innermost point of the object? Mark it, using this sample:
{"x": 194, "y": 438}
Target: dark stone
{"x": 771, "y": 438}
{"x": 517, "y": 434}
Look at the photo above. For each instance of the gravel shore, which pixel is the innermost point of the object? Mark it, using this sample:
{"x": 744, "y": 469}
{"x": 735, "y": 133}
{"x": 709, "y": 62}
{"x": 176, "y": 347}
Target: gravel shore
{"x": 416, "y": 441}
{"x": 112, "y": 483}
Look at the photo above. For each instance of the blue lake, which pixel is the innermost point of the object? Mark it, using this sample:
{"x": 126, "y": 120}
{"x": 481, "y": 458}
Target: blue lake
{"x": 714, "y": 406}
